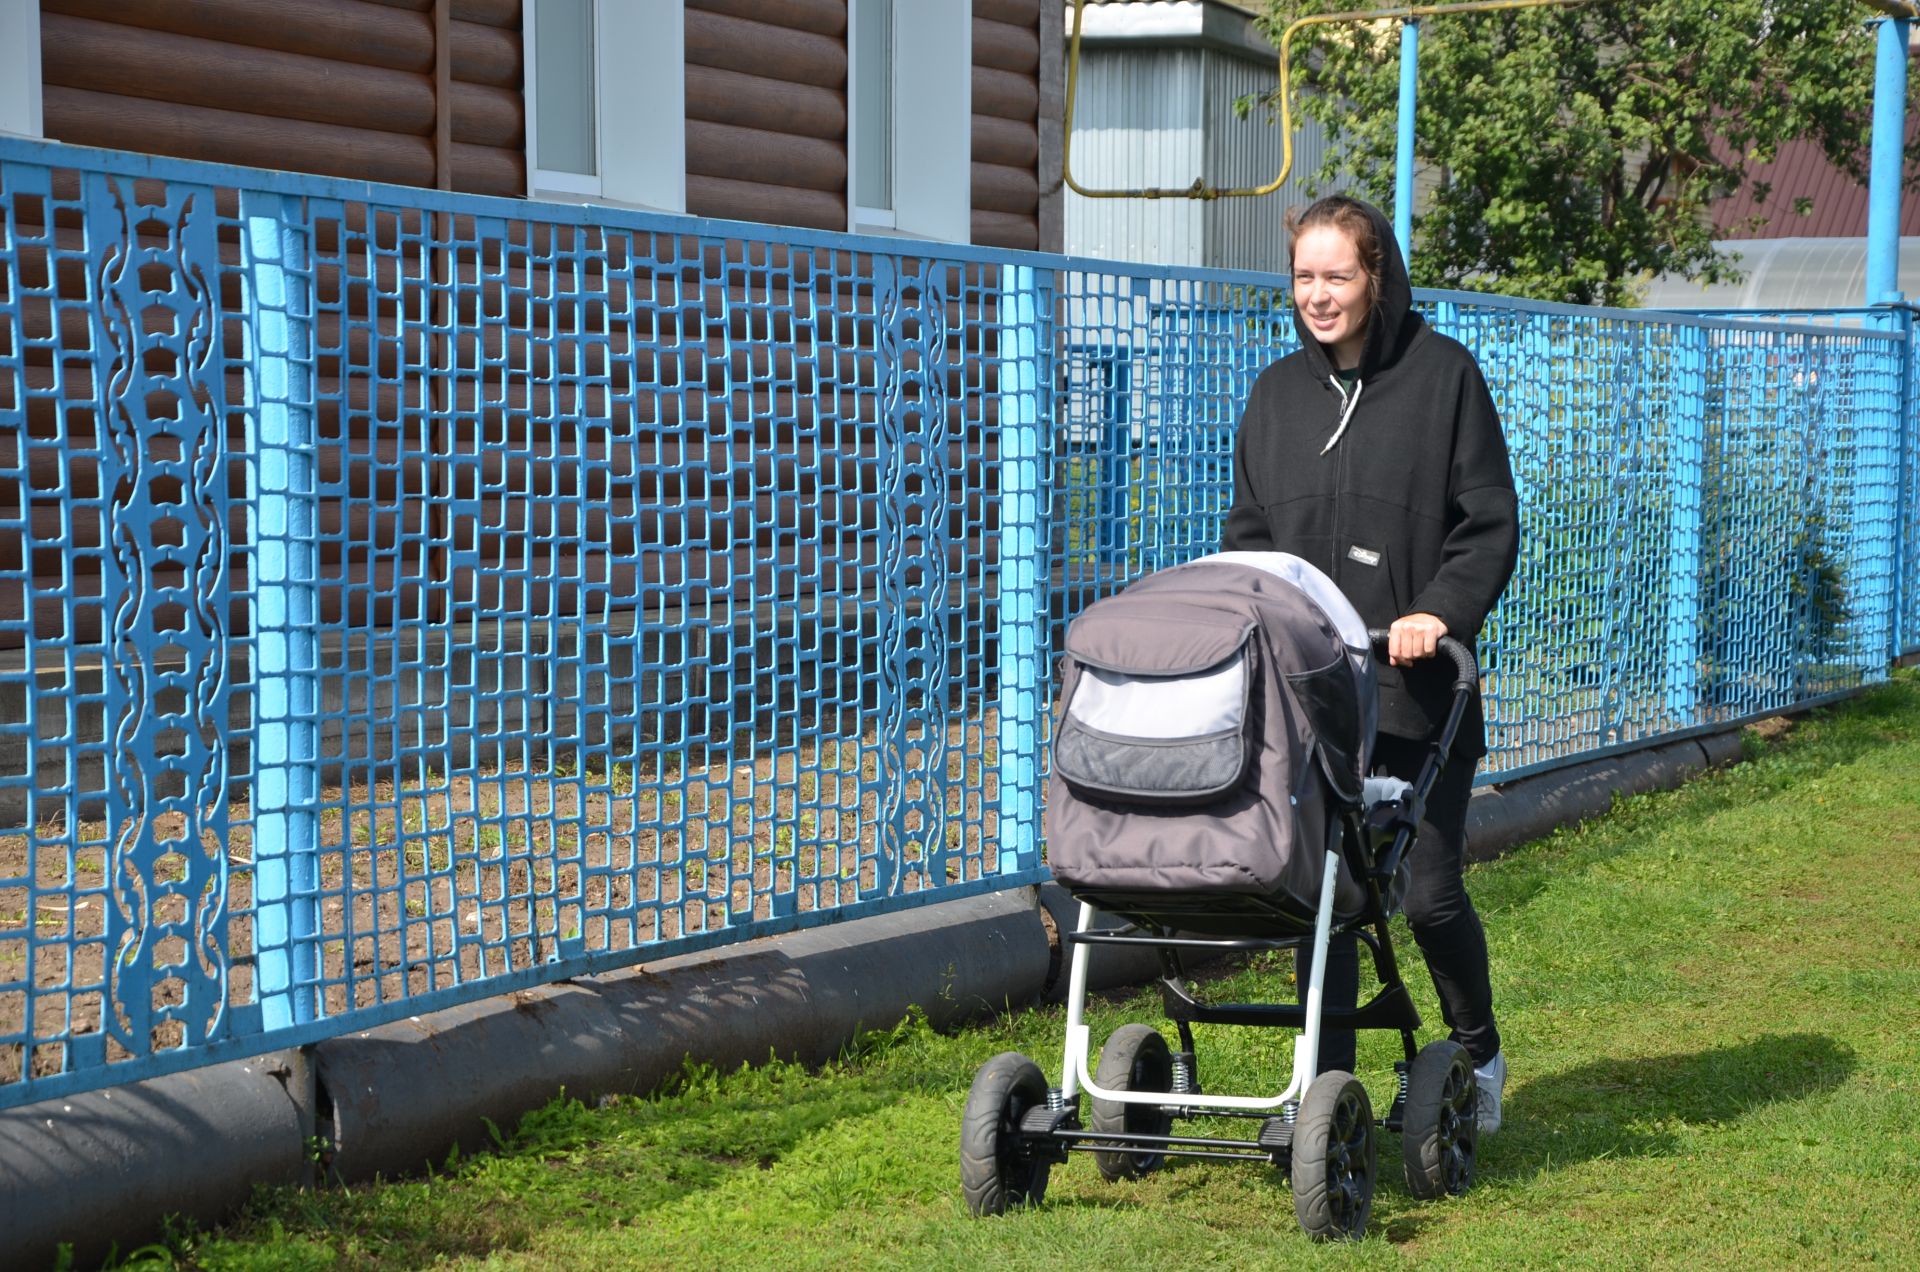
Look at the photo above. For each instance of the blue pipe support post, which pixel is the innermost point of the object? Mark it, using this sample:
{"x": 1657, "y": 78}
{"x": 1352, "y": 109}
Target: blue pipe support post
{"x": 1889, "y": 139}
{"x": 1026, "y": 345}
{"x": 1883, "y": 235}
{"x": 1403, "y": 160}
{"x": 284, "y": 561}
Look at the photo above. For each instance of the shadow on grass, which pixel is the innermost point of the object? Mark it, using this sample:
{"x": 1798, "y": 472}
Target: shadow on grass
{"x": 1632, "y": 1108}
{"x": 1606, "y": 1109}
{"x": 566, "y": 1164}
{"x": 1398, "y": 1217}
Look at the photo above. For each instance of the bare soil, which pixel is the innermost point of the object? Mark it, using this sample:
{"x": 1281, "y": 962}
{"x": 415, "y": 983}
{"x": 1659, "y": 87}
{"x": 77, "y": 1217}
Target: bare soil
{"x": 433, "y": 881}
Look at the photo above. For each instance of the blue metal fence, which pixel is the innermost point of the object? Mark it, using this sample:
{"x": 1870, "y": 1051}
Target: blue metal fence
{"x": 411, "y": 596}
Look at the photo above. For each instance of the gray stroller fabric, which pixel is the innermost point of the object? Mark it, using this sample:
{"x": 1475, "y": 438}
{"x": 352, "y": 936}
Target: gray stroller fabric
{"x": 1212, "y": 719}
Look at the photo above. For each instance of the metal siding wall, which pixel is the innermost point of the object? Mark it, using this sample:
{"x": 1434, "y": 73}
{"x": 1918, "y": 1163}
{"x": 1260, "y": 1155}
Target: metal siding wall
{"x": 1138, "y": 122}
{"x": 348, "y": 91}
{"x": 1250, "y": 233}
{"x": 1162, "y": 117}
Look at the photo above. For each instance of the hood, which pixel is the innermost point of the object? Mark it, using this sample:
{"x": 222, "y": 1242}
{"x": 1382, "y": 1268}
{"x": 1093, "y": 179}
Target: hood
{"x": 1392, "y": 327}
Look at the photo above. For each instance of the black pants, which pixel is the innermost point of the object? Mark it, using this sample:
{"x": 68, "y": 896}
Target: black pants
{"x": 1438, "y": 910}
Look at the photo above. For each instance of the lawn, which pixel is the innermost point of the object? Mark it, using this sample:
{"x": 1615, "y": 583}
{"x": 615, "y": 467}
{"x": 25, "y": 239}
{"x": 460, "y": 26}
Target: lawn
{"x": 1711, "y": 1004}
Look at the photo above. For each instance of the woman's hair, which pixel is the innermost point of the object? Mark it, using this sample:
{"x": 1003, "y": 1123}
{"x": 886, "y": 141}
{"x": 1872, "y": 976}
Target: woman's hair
{"x": 1350, "y": 217}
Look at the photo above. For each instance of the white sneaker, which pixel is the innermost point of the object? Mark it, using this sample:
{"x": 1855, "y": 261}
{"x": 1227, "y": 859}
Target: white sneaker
{"x": 1491, "y": 1080}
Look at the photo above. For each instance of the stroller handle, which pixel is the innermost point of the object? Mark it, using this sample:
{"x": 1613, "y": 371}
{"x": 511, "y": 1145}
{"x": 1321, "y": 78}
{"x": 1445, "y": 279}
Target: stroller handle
{"x": 1466, "y": 668}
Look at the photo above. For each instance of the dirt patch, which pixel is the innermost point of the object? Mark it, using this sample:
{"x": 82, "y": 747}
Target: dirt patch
{"x": 429, "y": 882}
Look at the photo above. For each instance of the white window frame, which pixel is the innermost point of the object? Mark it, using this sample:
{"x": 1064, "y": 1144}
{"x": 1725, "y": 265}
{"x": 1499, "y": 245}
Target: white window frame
{"x": 20, "y": 101}
{"x": 640, "y": 79}
{"x": 860, "y": 217}
{"x": 932, "y": 124}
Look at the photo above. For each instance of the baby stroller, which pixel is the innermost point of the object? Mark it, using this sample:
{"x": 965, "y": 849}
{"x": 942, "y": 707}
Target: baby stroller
{"x": 1210, "y": 791}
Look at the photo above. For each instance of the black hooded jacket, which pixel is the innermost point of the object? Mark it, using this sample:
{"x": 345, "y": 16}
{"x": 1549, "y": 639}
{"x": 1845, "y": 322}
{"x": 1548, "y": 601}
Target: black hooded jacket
{"x": 1411, "y": 511}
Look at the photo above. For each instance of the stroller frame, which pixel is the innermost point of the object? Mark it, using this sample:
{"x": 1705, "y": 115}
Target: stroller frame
{"x": 1041, "y": 1126}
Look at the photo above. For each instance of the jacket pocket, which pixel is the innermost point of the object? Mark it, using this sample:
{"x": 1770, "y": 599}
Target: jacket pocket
{"x": 1367, "y": 573}
{"x": 1303, "y": 527}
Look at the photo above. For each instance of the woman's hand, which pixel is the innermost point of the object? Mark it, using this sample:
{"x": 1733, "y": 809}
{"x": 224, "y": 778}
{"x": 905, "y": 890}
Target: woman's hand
{"x": 1414, "y": 637}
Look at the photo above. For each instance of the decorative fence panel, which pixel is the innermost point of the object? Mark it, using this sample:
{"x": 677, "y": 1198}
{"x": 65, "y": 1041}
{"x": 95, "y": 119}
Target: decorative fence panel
{"x": 406, "y": 597}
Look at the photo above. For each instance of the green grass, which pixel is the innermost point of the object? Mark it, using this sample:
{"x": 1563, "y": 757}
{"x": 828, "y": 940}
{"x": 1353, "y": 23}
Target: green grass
{"x": 1709, "y": 1002}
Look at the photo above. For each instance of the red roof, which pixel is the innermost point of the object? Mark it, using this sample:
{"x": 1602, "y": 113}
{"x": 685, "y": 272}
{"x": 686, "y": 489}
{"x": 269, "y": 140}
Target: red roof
{"x": 1801, "y": 170}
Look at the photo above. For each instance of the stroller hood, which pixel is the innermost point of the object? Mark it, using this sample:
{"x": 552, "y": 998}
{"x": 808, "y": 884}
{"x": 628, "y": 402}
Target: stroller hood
{"x": 1211, "y": 719}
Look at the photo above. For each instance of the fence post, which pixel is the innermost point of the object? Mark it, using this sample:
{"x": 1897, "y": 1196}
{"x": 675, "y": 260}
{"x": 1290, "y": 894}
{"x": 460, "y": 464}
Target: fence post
{"x": 1883, "y": 192}
{"x": 1403, "y": 150}
{"x": 1025, "y": 394}
{"x": 282, "y": 560}
{"x": 1883, "y": 474}
{"x": 1905, "y": 533}
{"x": 1883, "y": 263}
{"x": 1686, "y": 566}
{"x": 1906, "y": 522}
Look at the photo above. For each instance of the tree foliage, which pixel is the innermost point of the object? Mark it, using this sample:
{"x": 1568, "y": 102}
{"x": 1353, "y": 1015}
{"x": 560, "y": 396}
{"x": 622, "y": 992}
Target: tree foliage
{"x": 1578, "y": 149}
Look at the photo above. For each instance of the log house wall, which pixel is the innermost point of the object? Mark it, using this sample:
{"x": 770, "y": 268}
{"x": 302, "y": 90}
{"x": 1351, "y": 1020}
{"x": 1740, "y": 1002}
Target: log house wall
{"x": 343, "y": 88}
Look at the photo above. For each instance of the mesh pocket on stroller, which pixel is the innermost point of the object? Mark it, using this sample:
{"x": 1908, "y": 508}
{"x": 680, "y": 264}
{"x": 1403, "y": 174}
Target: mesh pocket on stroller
{"x": 1173, "y": 728}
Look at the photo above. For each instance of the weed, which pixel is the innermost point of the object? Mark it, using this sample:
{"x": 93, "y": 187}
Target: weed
{"x": 872, "y": 1044}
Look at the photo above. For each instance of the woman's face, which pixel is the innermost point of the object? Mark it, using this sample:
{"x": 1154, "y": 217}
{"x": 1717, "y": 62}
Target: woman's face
{"x": 1330, "y": 289}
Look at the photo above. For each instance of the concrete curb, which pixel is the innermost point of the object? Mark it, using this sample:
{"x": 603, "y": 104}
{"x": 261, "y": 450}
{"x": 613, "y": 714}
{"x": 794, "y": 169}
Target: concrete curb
{"x": 1504, "y": 816}
{"x": 106, "y": 1167}
{"x": 402, "y": 1095}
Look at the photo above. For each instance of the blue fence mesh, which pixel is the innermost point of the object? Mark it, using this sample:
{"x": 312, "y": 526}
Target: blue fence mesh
{"x": 1907, "y": 512}
{"x": 410, "y": 596}
{"x": 1905, "y": 599}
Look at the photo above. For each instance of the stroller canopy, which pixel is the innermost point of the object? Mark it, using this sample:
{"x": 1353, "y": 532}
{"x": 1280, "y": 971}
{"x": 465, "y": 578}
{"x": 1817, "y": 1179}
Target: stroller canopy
{"x": 1334, "y": 606}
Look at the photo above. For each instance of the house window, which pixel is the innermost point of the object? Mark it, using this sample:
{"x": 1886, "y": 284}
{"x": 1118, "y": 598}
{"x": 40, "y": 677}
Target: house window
{"x": 20, "y": 67}
{"x": 911, "y": 113}
{"x": 565, "y": 107}
{"x": 606, "y": 101}
{"x": 873, "y": 89}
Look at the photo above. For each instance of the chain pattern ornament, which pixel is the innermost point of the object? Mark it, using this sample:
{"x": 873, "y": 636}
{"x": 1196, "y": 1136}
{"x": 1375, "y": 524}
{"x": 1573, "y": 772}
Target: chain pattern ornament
{"x": 166, "y": 589}
{"x": 911, "y": 340}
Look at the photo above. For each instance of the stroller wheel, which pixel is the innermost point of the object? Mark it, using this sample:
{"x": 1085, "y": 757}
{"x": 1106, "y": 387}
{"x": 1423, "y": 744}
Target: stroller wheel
{"x": 1333, "y": 1158}
{"x": 1134, "y": 1059}
{"x": 997, "y": 1173}
{"x": 1440, "y": 1133}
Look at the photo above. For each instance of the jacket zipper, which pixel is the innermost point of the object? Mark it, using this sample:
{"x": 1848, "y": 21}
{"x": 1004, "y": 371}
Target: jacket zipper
{"x": 1339, "y": 481}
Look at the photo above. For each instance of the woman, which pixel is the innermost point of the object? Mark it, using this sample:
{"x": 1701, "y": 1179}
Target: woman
{"x": 1374, "y": 452}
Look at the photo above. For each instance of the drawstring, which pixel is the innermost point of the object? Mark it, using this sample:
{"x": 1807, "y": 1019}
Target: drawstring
{"x": 1352, "y": 400}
